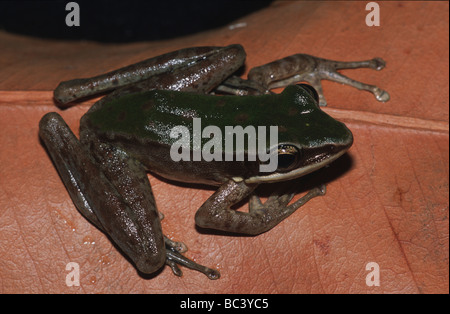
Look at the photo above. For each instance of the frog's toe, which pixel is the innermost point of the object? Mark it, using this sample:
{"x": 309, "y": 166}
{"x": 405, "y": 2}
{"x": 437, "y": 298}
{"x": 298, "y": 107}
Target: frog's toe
{"x": 178, "y": 246}
{"x": 382, "y": 95}
{"x": 378, "y": 64}
{"x": 175, "y": 269}
{"x": 322, "y": 103}
{"x": 174, "y": 258}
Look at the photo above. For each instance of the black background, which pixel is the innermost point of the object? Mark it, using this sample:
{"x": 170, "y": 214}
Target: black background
{"x": 122, "y": 21}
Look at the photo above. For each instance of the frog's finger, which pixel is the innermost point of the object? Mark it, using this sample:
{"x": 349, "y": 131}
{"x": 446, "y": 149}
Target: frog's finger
{"x": 279, "y": 200}
{"x": 317, "y": 191}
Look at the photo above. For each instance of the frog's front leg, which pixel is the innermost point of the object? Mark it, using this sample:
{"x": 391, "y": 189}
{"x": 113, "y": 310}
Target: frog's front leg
{"x": 306, "y": 68}
{"x": 113, "y": 192}
{"x": 216, "y": 212}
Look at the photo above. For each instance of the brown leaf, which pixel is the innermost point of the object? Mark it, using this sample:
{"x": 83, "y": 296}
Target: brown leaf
{"x": 386, "y": 202}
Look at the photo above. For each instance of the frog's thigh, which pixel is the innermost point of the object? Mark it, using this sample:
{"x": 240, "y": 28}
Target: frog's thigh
{"x": 74, "y": 165}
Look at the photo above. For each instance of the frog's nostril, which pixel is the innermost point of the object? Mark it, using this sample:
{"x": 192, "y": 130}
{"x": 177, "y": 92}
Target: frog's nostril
{"x": 349, "y": 139}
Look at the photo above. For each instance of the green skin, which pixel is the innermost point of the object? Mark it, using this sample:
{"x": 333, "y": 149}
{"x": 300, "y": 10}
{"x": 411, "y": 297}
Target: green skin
{"x": 125, "y": 135}
{"x": 300, "y": 122}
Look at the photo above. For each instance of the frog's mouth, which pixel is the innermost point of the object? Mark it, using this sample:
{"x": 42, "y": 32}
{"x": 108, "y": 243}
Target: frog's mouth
{"x": 312, "y": 164}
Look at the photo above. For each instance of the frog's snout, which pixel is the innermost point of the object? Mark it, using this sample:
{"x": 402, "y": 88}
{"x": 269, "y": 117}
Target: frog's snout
{"x": 348, "y": 142}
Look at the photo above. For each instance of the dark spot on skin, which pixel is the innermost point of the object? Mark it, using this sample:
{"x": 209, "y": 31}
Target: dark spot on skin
{"x": 220, "y": 103}
{"x": 242, "y": 117}
{"x": 148, "y": 105}
{"x": 170, "y": 96}
{"x": 122, "y": 115}
{"x": 293, "y": 111}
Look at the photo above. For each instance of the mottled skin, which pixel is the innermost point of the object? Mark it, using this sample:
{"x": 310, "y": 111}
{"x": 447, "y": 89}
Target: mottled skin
{"x": 312, "y": 70}
{"x": 125, "y": 134}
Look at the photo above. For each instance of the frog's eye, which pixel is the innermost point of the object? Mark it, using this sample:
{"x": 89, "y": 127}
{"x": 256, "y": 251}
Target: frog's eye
{"x": 288, "y": 157}
{"x": 311, "y": 90}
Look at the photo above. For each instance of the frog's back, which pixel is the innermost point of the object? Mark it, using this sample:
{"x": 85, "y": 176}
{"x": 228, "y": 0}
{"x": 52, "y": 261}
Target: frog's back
{"x": 141, "y": 124}
{"x": 150, "y": 116}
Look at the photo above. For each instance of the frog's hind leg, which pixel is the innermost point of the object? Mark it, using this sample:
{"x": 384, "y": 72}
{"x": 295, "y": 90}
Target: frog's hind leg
{"x": 62, "y": 145}
{"x": 113, "y": 192}
{"x": 301, "y": 67}
{"x": 72, "y": 90}
{"x": 190, "y": 69}
{"x": 380, "y": 95}
{"x": 130, "y": 178}
{"x": 137, "y": 233}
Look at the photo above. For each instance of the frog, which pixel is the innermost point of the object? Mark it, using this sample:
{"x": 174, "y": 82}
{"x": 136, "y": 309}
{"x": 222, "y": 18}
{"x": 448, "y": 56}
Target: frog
{"x": 128, "y": 133}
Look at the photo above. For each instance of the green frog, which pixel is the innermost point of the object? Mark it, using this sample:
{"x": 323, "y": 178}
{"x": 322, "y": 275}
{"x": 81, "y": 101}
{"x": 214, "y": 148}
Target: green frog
{"x": 130, "y": 132}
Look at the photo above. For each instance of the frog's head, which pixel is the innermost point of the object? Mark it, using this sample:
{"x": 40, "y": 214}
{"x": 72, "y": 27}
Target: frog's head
{"x": 308, "y": 138}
